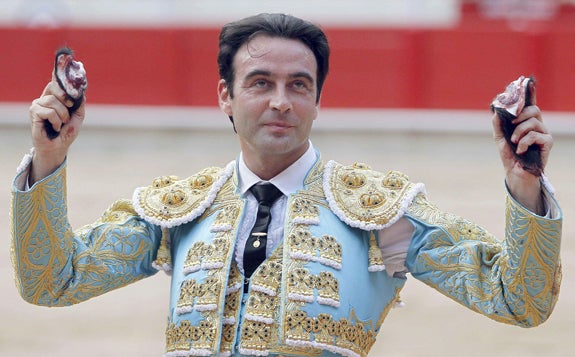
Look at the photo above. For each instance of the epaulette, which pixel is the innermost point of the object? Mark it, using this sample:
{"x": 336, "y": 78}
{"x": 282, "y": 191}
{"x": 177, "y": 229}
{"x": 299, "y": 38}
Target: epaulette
{"x": 170, "y": 201}
{"x": 365, "y": 198}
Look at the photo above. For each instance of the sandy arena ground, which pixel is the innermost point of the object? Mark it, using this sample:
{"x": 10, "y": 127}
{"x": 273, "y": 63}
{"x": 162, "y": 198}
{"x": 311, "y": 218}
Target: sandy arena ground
{"x": 462, "y": 174}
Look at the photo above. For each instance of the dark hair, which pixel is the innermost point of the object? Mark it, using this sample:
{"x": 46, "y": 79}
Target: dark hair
{"x": 235, "y": 34}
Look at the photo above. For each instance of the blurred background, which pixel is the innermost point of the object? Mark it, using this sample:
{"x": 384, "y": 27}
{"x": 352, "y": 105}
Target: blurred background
{"x": 409, "y": 89}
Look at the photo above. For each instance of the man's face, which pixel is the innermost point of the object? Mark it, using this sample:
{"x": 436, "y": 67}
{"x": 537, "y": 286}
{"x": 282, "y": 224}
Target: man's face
{"x": 274, "y": 101}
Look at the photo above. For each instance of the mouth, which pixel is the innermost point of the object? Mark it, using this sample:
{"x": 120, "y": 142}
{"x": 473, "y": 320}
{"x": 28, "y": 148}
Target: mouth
{"x": 278, "y": 127}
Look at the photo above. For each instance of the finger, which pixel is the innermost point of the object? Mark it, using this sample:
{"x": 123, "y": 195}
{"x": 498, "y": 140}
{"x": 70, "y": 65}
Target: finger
{"x": 496, "y": 122}
{"x": 531, "y": 125}
{"x": 53, "y": 88}
{"x": 532, "y": 91}
{"x": 532, "y": 111}
{"x": 49, "y": 109}
{"x": 542, "y": 140}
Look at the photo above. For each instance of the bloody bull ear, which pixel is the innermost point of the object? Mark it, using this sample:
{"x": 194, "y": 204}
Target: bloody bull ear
{"x": 508, "y": 105}
{"x": 71, "y": 77}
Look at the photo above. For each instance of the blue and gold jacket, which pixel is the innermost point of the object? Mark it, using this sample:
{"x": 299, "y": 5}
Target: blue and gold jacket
{"x": 323, "y": 291}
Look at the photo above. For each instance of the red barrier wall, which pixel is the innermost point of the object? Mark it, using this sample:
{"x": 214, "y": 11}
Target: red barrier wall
{"x": 458, "y": 68}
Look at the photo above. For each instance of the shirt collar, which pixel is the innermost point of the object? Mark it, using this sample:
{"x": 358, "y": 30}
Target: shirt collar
{"x": 288, "y": 181}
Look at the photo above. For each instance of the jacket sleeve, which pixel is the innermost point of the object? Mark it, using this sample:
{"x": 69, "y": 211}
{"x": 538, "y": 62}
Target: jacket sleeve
{"x": 515, "y": 281}
{"x": 55, "y": 266}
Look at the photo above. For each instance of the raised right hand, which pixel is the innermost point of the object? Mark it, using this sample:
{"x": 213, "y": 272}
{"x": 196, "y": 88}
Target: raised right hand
{"x": 52, "y": 106}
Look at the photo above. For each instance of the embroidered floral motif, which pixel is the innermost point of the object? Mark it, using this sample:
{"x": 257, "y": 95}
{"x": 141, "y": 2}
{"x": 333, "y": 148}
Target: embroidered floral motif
{"x": 304, "y": 211}
{"x": 187, "y": 340}
{"x": 50, "y": 259}
{"x": 256, "y": 337}
{"x": 346, "y": 337}
{"x": 215, "y": 254}
{"x": 267, "y": 278}
{"x": 226, "y": 218}
{"x": 330, "y": 251}
{"x": 302, "y": 244}
{"x": 301, "y": 286}
{"x": 262, "y": 310}
{"x": 193, "y": 261}
{"x": 188, "y": 292}
{"x": 522, "y": 271}
{"x": 328, "y": 289}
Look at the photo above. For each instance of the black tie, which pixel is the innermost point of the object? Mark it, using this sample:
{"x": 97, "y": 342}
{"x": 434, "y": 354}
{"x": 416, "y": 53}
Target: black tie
{"x": 255, "y": 250}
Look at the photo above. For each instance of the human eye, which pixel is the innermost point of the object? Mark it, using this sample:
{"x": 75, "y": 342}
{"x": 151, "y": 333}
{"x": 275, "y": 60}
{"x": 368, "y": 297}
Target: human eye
{"x": 260, "y": 83}
{"x": 301, "y": 85}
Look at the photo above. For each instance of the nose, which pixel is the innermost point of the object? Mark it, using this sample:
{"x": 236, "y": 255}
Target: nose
{"x": 280, "y": 101}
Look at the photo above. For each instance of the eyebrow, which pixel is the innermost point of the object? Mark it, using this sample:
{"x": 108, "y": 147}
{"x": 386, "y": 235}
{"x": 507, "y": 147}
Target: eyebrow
{"x": 261, "y": 72}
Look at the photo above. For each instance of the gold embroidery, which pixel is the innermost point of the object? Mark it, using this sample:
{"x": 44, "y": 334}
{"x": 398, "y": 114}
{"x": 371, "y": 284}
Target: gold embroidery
{"x": 267, "y": 278}
{"x": 322, "y": 331}
{"x": 192, "y": 340}
{"x": 228, "y": 337}
{"x": 367, "y": 196}
{"x": 301, "y": 285}
{"x": 302, "y": 244}
{"x": 46, "y": 258}
{"x": 188, "y": 292}
{"x": 215, "y": 253}
{"x": 260, "y": 326}
{"x": 304, "y": 211}
{"x": 231, "y": 309}
{"x": 525, "y": 266}
{"x": 256, "y": 335}
{"x": 164, "y": 256}
{"x": 209, "y": 293}
{"x": 330, "y": 251}
{"x": 328, "y": 289}
{"x": 375, "y": 255}
{"x": 194, "y": 258}
{"x": 169, "y": 198}
{"x": 177, "y": 337}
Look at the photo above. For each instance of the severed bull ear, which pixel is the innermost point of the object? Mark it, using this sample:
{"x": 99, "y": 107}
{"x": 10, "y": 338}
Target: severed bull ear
{"x": 508, "y": 105}
{"x": 71, "y": 77}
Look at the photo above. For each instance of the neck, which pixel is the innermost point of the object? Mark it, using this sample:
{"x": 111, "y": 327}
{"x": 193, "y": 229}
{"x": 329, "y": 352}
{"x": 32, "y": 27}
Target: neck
{"x": 267, "y": 167}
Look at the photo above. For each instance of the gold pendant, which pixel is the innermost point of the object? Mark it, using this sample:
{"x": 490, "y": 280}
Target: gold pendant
{"x": 257, "y": 243}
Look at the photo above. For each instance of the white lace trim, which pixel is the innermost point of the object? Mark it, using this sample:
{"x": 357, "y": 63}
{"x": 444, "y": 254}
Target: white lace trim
{"x": 25, "y": 163}
{"x": 234, "y": 288}
{"x": 547, "y": 184}
{"x": 167, "y": 268}
{"x": 323, "y": 346}
{"x": 327, "y": 301}
{"x": 221, "y": 228}
{"x": 310, "y": 221}
{"x": 212, "y": 265}
{"x": 229, "y": 321}
{"x": 181, "y": 310}
{"x": 200, "y": 352}
{"x": 191, "y": 269}
{"x": 248, "y": 351}
{"x": 265, "y": 320}
{"x": 264, "y": 290}
{"x": 180, "y": 353}
{"x": 375, "y": 268}
{"x": 301, "y": 297}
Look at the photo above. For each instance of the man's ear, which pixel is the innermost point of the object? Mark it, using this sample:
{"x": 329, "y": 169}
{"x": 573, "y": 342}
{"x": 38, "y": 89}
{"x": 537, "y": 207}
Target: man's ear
{"x": 224, "y": 97}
